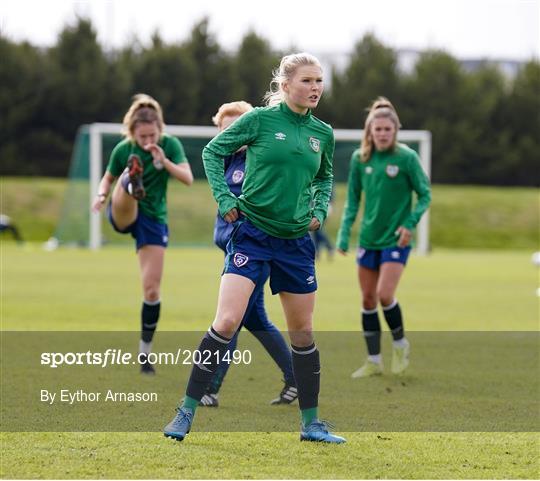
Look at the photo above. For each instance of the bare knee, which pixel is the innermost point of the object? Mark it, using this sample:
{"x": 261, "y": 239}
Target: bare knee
{"x": 301, "y": 338}
{"x": 300, "y": 330}
{"x": 151, "y": 293}
{"x": 227, "y": 323}
{"x": 369, "y": 300}
{"x": 386, "y": 298}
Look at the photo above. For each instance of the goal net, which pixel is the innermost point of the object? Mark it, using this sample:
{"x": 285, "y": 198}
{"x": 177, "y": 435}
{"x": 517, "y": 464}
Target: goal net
{"x": 79, "y": 226}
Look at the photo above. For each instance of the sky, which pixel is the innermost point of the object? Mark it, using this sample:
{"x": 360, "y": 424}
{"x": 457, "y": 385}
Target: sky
{"x": 467, "y": 29}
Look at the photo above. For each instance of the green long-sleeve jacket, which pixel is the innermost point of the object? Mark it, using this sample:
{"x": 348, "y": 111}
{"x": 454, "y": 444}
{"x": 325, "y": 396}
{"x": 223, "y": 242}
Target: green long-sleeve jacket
{"x": 388, "y": 180}
{"x": 288, "y": 164}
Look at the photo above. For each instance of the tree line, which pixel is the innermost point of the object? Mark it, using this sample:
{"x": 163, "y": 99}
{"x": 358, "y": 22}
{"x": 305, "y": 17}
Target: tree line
{"x": 485, "y": 126}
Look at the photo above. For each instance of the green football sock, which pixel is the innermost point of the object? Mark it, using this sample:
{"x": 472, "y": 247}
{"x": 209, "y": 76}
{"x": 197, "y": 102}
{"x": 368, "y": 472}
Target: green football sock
{"x": 309, "y": 415}
{"x": 190, "y": 403}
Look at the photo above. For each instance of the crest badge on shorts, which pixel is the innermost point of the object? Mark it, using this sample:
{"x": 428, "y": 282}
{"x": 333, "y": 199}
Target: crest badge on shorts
{"x": 392, "y": 170}
{"x": 237, "y": 176}
{"x": 315, "y": 144}
{"x": 240, "y": 259}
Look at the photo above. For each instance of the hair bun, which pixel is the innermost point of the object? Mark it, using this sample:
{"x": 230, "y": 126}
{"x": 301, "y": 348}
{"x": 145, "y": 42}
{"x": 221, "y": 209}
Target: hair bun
{"x": 381, "y": 103}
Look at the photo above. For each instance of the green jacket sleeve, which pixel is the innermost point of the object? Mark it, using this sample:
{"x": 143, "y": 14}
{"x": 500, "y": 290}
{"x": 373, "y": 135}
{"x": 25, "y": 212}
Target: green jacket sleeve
{"x": 420, "y": 184}
{"x": 352, "y": 204}
{"x": 322, "y": 184}
{"x": 242, "y": 132}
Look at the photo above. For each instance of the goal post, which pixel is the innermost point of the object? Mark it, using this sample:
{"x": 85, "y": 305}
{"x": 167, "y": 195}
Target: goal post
{"x": 92, "y": 152}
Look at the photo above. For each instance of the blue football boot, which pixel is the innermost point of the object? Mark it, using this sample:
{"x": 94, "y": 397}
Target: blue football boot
{"x": 317, "y": 431}
{"x": 180, "y": 425}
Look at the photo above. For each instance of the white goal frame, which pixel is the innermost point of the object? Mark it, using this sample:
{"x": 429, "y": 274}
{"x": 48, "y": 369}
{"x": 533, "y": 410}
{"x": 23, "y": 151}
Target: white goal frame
{"x": 423, "y": 137}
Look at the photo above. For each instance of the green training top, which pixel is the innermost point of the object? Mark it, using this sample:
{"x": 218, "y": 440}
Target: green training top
{"x": 288, "y": 164}
{"x": 155, "y": 181}
{"x": 388, "y": 179}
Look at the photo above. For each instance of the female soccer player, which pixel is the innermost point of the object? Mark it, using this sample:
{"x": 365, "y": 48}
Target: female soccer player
{"x": 388, "y": 172}
{"x": 289, "y": 160}
{"x": 255, "y": 318}
{"x": 144, "y": 161}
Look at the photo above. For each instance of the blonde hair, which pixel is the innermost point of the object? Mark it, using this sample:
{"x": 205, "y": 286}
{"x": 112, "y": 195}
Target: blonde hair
{"x": 231, "y": 109}
{"x": 381, "y": 108}
{"x": 286, "y": 70}
{"x": 145, "y": 110}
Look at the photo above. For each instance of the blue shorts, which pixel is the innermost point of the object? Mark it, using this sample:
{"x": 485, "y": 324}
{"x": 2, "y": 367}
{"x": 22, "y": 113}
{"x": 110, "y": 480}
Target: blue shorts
{"x": 373, "y": 258}
{"x": 145, "y": 230}
{"x": 291, "y": 261}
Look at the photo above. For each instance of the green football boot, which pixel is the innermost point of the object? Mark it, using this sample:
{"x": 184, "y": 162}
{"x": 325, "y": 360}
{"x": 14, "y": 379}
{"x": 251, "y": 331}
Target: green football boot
{"x": 369, "y": 369}
{"x": 400, "y": 357}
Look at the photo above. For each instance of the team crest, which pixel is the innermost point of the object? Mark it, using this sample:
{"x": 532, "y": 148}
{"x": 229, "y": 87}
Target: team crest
{"x": 237, "y": 176}
{"x": 240, "y": 259}
{"x": 392, "y": 170}
{"x": 315, "y": 144}
{"x": 369, "y": 169}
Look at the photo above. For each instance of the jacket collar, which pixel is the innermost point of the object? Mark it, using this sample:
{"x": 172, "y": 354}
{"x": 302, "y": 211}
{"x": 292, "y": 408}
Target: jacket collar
{"x": 298, "y": 118}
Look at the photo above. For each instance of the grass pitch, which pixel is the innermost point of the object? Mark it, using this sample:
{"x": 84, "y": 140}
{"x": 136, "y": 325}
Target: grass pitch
{"x": 270, "y": 456}
{"x": 73, "y": 290}
{"x": 476, "y": 217}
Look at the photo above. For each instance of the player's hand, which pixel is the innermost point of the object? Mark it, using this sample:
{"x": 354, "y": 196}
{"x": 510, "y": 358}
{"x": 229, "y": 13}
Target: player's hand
{"x": 314, "y": 224}
{"x": 157, "y": 154}
{"x": 99, "y": 202}
{"x": 231, "y": 216}
{"x": 341, "y": 251}
{"x": 404, "y": 236}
